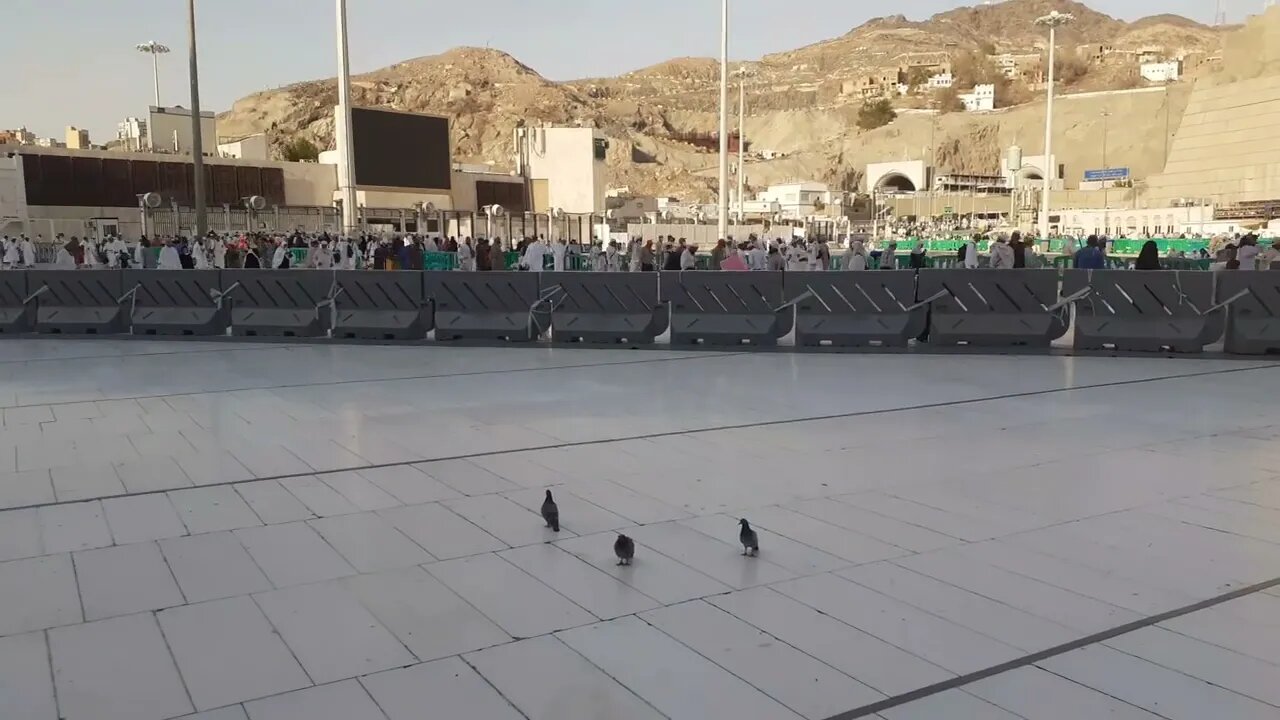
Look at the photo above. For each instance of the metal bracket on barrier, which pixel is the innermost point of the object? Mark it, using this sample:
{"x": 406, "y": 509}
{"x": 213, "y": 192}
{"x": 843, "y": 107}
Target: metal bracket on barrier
{"x": 1228, "y": 302}
{"x": 545, "y": 297}
{"x": 219, "y": 295}
{"x": 1071, "y": 299}
{"x": 929, "y": 300}
{"x": 801, "y": 298}
{"x": 132, "y": 294}
{"x": 43, "y": 289}
{"x": 331, "y": 300}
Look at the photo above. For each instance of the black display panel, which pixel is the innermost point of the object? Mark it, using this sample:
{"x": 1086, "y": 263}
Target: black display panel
{"x": 401, "y": 150}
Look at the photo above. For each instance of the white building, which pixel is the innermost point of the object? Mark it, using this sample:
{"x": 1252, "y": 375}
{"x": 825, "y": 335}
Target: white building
{"x": 1136, "y": 222}
{"x": 1161, "y": 72}
{"x": 132, "y": 133}
{"x": 982, "y": 99}
{"x": 796, "y": 200}
{"x": 49, "y": 142}
{"x": 941, "y": 80}
{"x": 565, "y": 167}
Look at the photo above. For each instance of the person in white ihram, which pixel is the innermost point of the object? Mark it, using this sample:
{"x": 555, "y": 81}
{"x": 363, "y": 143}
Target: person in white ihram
{"x": 28, "y": 253}
{"x": 199, "y": 255}
{"x": 466, "y": 256}
{"x": 12, "y": 256}
{"x": 855, "y": 258}
{"x": 557, "y": 255}
{"x": 971, "y": 254}
{"x": 533, "y": 255}
{"x": 169, "y": 259}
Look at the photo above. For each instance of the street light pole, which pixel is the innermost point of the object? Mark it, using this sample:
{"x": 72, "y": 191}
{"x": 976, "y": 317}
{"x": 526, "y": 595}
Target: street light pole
{"x": 1106, "y": 197}
{"x": 197, "y": 138}
{"x": 345, "y": 142}
{"x": 724, "y": 119}
{"x": 1053, "y": 21}
{"x": 742, "y": 142}
{"x": 155, "y": 50}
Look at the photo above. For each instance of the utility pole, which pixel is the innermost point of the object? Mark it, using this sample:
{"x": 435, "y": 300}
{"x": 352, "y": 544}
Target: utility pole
{"x": 1106, "y": 201}
{"x": 1053, "y": 21}
{"x": 723, "y": 200}
{"x": 197, "y": 137}
{"x": 345, "y": 141}
{"x": 742, "y": 142}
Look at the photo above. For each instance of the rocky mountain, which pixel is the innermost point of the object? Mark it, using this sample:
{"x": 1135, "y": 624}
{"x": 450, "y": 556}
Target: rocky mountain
{"x": 802, "y": 104}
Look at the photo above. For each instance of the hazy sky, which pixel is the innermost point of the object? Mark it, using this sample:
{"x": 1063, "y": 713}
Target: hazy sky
{"x": 72, "y": 62}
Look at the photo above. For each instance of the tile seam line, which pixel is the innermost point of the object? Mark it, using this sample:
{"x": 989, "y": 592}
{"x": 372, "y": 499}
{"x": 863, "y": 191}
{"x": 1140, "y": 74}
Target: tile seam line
{"x": 670, "y": 433}
{"x": 330, "y": 383}
{"x": 156, "y": 353}
{"x": 1048, "y": 653}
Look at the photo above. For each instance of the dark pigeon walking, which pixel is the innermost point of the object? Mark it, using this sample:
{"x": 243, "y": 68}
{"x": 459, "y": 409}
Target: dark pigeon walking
{"x": 551, "y": 513}
{"x": 625, "y": 548}
{"x": 750, "y": 542}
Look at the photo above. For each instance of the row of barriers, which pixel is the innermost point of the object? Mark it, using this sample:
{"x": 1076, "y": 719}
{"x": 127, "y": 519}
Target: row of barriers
{"x": 1166, "y": 311}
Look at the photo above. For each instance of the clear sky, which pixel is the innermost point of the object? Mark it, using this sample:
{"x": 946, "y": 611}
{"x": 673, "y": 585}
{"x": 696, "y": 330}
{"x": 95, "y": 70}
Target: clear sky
{"x": 72, "y": 62}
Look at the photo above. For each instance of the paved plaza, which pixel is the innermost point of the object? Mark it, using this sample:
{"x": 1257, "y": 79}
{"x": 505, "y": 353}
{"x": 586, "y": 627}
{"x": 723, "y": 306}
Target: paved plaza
{"x": 297, "y": 532}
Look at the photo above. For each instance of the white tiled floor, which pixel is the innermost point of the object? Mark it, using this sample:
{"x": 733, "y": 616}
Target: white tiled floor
{"x": 353, "y": 532}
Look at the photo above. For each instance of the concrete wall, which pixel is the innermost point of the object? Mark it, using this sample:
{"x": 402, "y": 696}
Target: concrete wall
{"x": 164, "y": 122}
{"x": 13, "y": 195}
{"x": 254, "y": 147}
{"x": 565, "y": 158}
{"x": 1227, "y": 149}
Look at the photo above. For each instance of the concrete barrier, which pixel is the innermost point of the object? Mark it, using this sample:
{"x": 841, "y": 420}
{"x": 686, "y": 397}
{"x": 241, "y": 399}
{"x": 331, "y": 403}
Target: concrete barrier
{"x": 1144, "y": 311}
{"x": 993, "y": 308}
{"x": 78, "y": 302}
{"x": 381, "y": 306}
{"x": 485, "y": 306}
{"x": 17, "y": 309}
{"x": 176, "y": 302}
{"x": 726, "y": 308}
{"x": 604, "y": 308}
{"x": 1253, "y": 312}
{"x": 855, "y": 309}
{"x": 278, "y": 303}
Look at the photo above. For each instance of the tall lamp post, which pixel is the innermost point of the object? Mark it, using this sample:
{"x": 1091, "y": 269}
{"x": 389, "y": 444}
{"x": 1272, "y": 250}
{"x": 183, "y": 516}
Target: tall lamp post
{"x": 1106, "y": 197}
{"x": 197, "y": 138}
{"x": 724, "y": 119}
{"x": 346, "y": 147}
{"x": 742, "y": 142}
{"x": 155, "y": 50}
{"x": 1053, "y": 21}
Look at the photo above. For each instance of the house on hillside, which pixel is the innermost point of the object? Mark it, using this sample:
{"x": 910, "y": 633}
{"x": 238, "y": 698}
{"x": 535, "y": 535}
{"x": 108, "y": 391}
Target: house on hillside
{"x": 1161, "y": 72}
{"x": 981, "y": 99}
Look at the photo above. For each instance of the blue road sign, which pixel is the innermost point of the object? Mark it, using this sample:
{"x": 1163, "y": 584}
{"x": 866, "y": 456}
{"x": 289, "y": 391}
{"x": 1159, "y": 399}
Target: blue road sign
{"x": 1108, "y": 174}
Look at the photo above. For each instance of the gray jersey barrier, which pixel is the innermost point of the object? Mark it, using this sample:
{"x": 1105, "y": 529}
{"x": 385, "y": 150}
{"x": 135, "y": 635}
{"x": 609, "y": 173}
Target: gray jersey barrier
{"x": 726, "y": 308}
{"x": 993, "y": 308}
{"x": 278, "y": 303}
{"x": 487, "y": 306}
{"x": 1253, "y": 318}
{"x": 604, "y": 308}
{"x": 856, "y": 308}
{"x": 17, "y": 307}
{"x": 78, "y": 302}
{"x": 176, "y": 302}
{"x": 380, "y": 306}
{"x": 1144, "y": 311}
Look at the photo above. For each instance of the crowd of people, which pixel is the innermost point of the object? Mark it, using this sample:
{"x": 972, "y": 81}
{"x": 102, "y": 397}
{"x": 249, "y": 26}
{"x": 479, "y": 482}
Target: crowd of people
{"x": 387, "y": 251}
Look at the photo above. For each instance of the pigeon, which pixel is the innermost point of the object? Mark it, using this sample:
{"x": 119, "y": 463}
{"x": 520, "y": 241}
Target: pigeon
{"x": 551, "y": 513}
{"x": 625, "y": 548}
{"x": 750, "y": 542}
